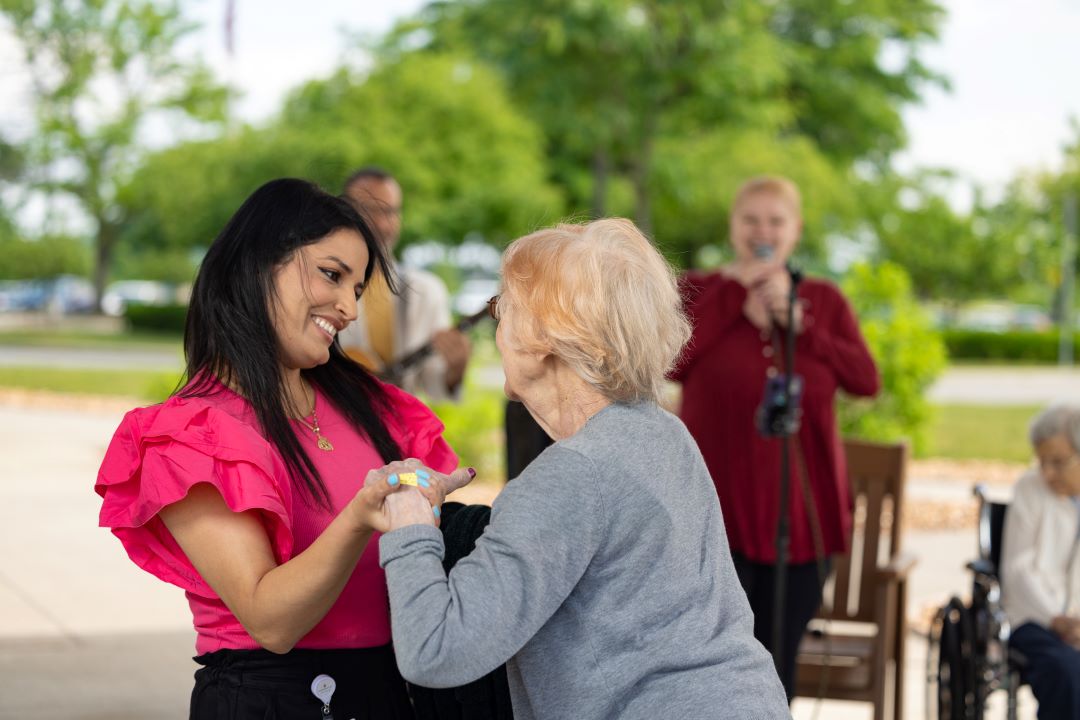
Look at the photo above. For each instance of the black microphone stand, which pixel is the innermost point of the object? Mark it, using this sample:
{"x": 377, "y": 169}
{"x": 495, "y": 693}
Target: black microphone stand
{"x": 784, "y": 430}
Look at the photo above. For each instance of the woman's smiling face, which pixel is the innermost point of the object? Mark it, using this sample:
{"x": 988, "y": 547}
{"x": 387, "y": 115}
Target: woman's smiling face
{"x": 315, "y": 294}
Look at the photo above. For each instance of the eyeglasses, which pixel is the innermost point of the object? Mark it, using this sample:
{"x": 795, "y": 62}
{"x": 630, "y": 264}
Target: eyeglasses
{"x": 1056, "y": 464}
{"x": 493, "y": 307}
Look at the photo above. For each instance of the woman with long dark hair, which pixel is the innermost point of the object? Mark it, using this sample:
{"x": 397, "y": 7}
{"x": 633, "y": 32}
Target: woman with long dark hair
{"x": 245, "y": 488}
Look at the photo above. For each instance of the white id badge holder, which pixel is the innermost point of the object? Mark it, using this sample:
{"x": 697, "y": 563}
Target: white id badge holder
{"x": 323, "y": 687}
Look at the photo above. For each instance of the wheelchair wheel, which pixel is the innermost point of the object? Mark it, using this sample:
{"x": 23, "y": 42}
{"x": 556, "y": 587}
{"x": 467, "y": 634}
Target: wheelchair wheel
{"x": 952, "y": 688}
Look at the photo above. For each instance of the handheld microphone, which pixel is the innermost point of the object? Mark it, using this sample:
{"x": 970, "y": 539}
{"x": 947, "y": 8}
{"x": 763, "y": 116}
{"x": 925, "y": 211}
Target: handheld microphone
{"x": 766, "y": 252}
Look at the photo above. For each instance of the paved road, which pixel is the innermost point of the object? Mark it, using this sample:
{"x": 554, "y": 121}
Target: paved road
{"x": 1007, "y": 385}
{"x": 995, "y": 385}
{"x": 106, "y": 358}
{"x": 83, "y": 633}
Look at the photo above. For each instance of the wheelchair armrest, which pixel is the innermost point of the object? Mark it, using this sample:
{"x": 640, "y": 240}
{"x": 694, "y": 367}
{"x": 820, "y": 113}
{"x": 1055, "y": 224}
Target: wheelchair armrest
{"x": 982, "y": 567}
{"x": 898, "y": 568}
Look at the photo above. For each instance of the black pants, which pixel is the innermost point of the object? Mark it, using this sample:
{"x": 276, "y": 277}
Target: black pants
{"x": 259, "y": 685}
{"x": 803, "y": 598}
{"x": 1053, "y": 669}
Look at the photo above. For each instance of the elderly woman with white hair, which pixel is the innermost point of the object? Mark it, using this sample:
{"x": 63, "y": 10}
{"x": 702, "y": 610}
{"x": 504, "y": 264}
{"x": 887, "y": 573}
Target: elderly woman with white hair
{"x": 1040, "y": 570}
{"x": 604, "y": 580}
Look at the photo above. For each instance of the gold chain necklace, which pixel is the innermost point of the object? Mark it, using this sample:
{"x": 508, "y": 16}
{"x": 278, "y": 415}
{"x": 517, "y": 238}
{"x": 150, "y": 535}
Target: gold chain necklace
{"x": 313, "y": 426}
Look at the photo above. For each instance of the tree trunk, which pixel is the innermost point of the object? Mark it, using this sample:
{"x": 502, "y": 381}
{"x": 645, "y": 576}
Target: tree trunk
{"x": 640, "y": 178}
{"x": 106, "y": 238}
{"x": 601, "y": 168}
{"x": 641, "y": 169}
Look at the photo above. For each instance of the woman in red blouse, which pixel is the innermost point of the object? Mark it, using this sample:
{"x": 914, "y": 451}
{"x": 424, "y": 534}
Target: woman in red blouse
{"x": 740, "y": 317}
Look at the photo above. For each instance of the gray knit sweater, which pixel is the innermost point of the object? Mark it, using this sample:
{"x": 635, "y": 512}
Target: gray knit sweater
{"x": 604, "y": 582}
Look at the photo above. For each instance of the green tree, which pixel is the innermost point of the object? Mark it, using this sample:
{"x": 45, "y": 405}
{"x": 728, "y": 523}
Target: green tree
{"x": 611, "y": 80}
{"x": 42, "y": 258}
{"x": 100, "y": 69}
{"x": 1008, "y": 248}
{"x": 1023, "y": 231}
{"x": 1032, "y": 215}
{"x": 469, "y": 162}
{"x": 8, "y": 232}
{"x": 468, "y": 159}
{"x": 697, "y": 176}
{"x": 915, "y": 227}
{"x": 605, "y": 78}
{"x": 850, "y": 67}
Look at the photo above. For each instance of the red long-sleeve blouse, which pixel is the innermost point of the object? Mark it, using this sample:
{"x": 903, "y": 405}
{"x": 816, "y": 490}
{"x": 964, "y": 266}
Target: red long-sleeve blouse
{"x": 723, "y": 372}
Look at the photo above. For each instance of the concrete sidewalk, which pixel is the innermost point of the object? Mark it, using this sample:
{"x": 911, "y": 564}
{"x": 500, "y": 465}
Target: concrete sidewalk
{"x": 85, "y": 635}
{"x": 1006, "y": 385}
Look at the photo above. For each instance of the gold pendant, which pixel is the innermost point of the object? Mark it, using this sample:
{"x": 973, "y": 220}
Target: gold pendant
{"x": 324, "y": 444}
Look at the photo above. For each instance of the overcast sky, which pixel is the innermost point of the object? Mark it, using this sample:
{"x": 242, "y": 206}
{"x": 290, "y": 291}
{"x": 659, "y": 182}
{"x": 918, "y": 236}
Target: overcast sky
{"x": 1015, "y": 72}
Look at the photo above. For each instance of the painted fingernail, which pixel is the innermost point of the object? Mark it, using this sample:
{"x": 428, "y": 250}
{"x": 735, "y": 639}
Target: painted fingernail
{"x": 422, "y": 482}
{"x": 437, "y": 511}
{"x": 471, "y": 471}
{"x": 393, "y": 479}
{"x": 423, "y": 474}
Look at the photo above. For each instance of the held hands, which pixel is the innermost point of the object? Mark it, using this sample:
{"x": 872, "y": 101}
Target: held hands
{"x": 768, "y": 290}
{"x": 389, "y": 501}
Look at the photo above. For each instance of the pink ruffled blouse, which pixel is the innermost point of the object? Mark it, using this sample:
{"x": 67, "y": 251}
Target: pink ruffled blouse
{"x": 158, "y": 453}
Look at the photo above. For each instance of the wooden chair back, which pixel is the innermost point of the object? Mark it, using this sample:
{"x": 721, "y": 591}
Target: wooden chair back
{"x": 876, "y": 471}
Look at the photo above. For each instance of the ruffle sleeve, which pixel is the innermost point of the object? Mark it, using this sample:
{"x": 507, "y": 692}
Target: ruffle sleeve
{"x": 418, "y": 431}
{"x": 158, "y": 453}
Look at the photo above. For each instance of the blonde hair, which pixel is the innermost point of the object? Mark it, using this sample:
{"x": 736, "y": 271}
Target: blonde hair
{"x": 601, "y": 298}
{"x": 773, "y": 185}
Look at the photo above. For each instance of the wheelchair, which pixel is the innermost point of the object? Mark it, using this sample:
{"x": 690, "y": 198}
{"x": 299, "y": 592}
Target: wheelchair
{"x": 968, "y": 656}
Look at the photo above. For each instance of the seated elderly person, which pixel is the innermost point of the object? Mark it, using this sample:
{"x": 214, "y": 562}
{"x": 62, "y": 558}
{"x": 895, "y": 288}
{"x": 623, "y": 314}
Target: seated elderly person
{"x": 604, "y": 580}
{"x": 1040, "y": 571}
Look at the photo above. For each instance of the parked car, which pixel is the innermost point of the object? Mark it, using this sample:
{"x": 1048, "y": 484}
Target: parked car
{"x": 120, "y": 294}
{"x": 60, "y": 296}
{"x": 21, "y": 295}
{"x": 70, "y": 294}
{"x": 990, "y": 316}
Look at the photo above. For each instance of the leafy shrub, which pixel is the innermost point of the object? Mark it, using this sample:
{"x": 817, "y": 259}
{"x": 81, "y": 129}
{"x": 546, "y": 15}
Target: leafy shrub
{"x": 1015, "y": 345}
{"x": 908, "y": 351}
{"x": 156, "y": 318}
{"x": 475, "y": 426}
{"x": 474, "y": 429}
{"x": 161, "y": 386}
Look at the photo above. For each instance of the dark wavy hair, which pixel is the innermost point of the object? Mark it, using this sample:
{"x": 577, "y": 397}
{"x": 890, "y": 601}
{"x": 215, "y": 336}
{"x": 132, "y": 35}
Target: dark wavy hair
{"x": 229, "y": 334}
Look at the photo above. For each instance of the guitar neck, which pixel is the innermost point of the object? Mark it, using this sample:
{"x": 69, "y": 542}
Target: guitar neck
{"x": 394, "y": 371}
{"x": 466, "y": 323}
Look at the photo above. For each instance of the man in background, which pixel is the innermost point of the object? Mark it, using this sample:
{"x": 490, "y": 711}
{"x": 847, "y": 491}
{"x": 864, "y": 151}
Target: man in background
{"x": 389, "y": 326}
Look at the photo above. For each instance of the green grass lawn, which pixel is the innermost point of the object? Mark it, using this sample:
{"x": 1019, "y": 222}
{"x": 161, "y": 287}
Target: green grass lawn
{"x": 148, "y": 385}
{"x": 996, "y": 432}
{"x": 53, "y": 338}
